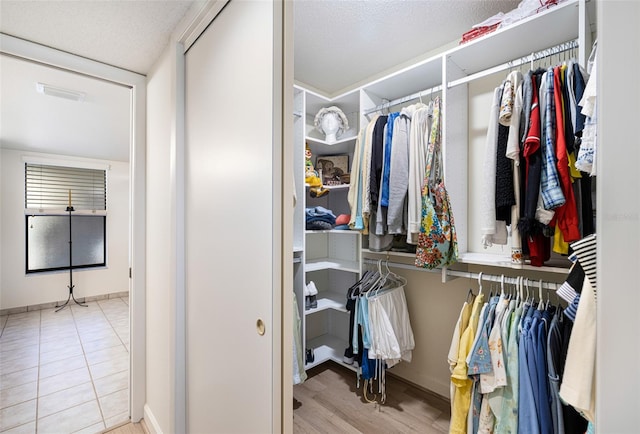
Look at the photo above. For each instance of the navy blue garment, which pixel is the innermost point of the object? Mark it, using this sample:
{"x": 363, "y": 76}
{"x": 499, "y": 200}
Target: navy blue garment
{"x": 554, "y": 362}
{"x": 377, "y": 152}
{"x": 319, "y": 218}
{"x": 544, "y": 403}
{"x": 578, "y": 90}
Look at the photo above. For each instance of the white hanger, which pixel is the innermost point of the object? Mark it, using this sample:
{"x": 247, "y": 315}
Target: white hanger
{"x": 502, "y": 285}
{"x": 541, "y": 301}
{"x": 480, "y": 283}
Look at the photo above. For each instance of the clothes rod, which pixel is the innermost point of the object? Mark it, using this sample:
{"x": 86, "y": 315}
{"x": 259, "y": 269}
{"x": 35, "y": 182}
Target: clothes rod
{"x": 466, "y": 274}
{"x": 566, "y": 46}
{"x": 403, "y": 99}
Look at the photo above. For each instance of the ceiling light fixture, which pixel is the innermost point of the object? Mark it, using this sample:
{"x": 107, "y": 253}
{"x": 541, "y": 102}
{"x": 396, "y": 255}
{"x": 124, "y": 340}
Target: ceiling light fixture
{"x": 47, "y": 89}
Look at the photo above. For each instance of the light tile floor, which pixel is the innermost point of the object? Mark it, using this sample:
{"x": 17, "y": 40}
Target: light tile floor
{"x": 65, "y": 372}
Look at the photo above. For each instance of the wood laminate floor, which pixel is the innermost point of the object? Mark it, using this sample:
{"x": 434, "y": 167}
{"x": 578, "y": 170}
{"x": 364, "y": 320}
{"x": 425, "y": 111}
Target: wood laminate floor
{"x": 329, "y": 402}
{"x": 128, "y": 428}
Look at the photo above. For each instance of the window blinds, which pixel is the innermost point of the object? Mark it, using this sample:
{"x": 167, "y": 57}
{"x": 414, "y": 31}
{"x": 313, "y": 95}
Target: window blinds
{"x": 47, "y": 187}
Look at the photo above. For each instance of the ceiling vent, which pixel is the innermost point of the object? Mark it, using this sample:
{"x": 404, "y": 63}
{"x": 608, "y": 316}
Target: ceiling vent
{"x": 47, "y": 89}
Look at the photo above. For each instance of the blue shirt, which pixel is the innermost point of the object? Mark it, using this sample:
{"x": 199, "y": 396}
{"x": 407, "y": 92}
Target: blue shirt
{"x": 527, "y": 414}
{"x": 384, "y": 187}
{"x": 544, "y": 401}
{"x": 552, "y": 195}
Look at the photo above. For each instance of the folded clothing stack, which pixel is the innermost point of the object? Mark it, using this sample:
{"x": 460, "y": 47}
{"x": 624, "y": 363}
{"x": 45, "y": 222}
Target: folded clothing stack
{"x": 319, "y": 218}
{"x": 477, "y": 32}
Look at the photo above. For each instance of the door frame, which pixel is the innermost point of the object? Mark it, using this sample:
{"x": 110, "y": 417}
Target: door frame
{"x": 137, "y": 192}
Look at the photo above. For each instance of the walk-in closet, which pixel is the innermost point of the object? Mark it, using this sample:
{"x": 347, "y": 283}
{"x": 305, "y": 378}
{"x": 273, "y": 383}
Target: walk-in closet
{"x": 363, "y": 256}
{"x": 344, "y": 216}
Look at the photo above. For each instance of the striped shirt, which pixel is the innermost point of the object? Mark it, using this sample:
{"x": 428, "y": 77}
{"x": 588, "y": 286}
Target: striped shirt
{"x": 585, "y": 251}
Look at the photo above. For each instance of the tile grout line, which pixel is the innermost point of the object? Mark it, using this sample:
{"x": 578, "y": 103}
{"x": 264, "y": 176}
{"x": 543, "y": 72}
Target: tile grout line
{"x": 112, "y": 327}
{"x": 84, "y": 354}
{"x": 120, "y": 339}
{"x": 38, "y": 373}
{"x": 18, "y": 403}
{"x": 38, "y": 384}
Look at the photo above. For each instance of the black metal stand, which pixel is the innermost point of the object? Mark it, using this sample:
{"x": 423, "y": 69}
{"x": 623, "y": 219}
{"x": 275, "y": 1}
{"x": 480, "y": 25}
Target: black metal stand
{"x": 70, "y": 286}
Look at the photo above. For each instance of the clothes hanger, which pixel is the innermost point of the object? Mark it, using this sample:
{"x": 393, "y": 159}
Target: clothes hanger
{"x": 541, "y": 301}
{"x": 360, "y": 285}
{"x": 480, "y": 283}
{"x": 392, "y": 280}
{"x": 469, "y": 295}
{"x": 502, "y": 285}
{"x": 532, "y": 58}
{"x": 366, "y": 286}
{"x": 379, "y": 281}
{"x": 514, "y": 289}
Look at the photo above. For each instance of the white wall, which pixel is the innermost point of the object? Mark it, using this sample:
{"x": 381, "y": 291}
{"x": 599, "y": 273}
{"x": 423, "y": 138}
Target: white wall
{"x": 17, "y": 289}
{"x": 160, "y": 359}
{"x": 618, "y": 224}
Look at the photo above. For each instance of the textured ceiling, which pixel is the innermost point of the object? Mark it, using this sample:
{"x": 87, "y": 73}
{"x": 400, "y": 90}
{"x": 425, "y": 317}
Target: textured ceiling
{"x": 340, "y": 43}
{"x": 129, "y": 34}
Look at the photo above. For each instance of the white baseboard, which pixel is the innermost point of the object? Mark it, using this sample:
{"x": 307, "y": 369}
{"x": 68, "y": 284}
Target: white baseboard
{"x": 150, "y": 421}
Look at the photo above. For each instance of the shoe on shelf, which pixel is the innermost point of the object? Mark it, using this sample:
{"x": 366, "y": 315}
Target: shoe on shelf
{"x": 313, "y": 301}
{"x": 311, "y": 295}
{"x": 348, "y": 356}
{"x": 307, "y": 299}
{"x": 311, "y": 288}
{"x": 310, "y": 357}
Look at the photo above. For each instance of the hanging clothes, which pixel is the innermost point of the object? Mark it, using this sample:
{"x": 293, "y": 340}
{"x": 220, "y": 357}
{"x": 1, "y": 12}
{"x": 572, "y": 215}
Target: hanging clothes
{"x": 530, "y": 182}
{"x": 459, "y": 377}
{"x": 418, "y": 143}
{"x": 299, "y": 373}
{"x": 380, "y": 331}
{"x": 493, "y": 231}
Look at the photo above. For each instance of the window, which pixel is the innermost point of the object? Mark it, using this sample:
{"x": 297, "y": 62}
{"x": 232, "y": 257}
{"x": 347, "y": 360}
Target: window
{"x": 49, "y": 192}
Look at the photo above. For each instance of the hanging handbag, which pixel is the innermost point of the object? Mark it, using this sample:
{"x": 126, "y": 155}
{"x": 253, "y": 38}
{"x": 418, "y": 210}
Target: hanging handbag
{"x": 437, "y": 241}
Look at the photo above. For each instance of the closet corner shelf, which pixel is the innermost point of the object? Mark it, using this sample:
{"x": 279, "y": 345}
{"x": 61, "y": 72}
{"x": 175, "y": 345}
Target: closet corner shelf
{"x": 329, "y": 300}
{"x": 339, "y": 232}
{"x": 332, "y": 187}
{"x": 328, "y": 347}
{"x": 332, "y": 264}
{"x": 389, "y": 253}
{"x": 332, "y": 231}
{"x": 324, "y": 142}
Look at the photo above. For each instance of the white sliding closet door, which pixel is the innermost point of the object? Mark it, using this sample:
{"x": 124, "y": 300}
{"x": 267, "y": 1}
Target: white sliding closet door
{"x": 232, "y": 220}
